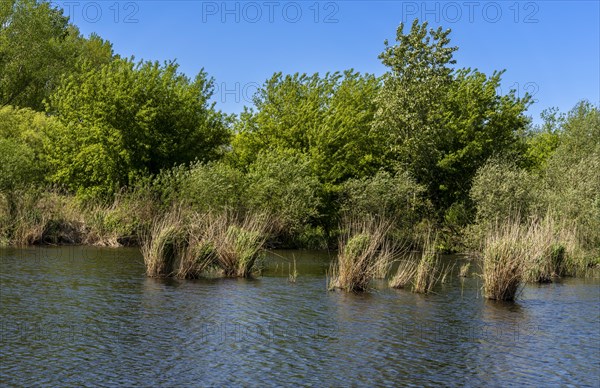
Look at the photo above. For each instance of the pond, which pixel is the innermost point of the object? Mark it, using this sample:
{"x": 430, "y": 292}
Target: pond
{"x": 77, "y": 316}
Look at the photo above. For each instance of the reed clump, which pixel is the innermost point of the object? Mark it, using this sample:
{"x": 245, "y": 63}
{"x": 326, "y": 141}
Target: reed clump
{"x": 556, "y": 253}
{"x": 44, "y": 218}
{"x": 192, "y": 245}
{"x": 428, "y": 271}
{"x": 361, "y": 245}
{"x": 292, "y": 273}
{"x": 164, "y": 244}
{"x": 505, "y": 252}
{"x": 239, "y": 242}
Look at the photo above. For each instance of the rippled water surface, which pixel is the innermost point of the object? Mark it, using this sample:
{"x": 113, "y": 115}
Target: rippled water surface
{"x": 89, "y": 317}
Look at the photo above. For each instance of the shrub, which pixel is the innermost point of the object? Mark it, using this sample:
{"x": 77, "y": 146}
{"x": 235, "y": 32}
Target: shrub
{"x": 212, "y": 187}
{"x": 282, "y": 184}
{"x": 396, "y": 196}
{"x": 501, "y": 189}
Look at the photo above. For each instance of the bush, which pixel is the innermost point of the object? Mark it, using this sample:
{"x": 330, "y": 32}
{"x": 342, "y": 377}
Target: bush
{"x": 282, "y": 185}
{"x": 212, "y": 187}
{"x": 500, "y": 190}
{"x": 17, "y": 167}
{"x": 22, "y": 137}
{"x": 396, "y": 196}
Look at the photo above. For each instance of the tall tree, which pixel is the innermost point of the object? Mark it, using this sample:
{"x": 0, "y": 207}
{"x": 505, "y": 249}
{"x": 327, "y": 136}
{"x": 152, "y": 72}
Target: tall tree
{"x": 443, "y": 123}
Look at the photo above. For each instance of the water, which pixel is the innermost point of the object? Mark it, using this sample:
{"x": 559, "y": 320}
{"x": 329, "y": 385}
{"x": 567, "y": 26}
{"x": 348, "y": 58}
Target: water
{"x": 89, "y": 317}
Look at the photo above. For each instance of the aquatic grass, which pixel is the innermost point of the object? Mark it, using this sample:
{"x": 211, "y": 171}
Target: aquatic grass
{"x": 164, "y": 244}
{"x": 428, "y": 272}
{"x": 404, "y": 274}
{"x": 504, "y": 254}
{"x": 464, "y": 270}
{"x": 539, "y": 266}
{"x": 45, "y": 218}
{"x": 119, "y": 222}
{"x": 292, "y": 273}
{"x": 187, "y": 244}
{"x": 445, "y": 272}
{"x": 555, "y": 251}
{"x": 197, "y": 256}
{"x": 239, "y": 241}
{"x": 385, "y": 258}
{"x": 361, "y": 244}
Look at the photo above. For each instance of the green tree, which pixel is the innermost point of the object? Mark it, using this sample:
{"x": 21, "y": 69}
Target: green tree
{"x": 326, "y": 118}
{"x": 22, "y": 158}
{"x": 38, "y": 46}
{"x": 442, "y": 123}
{"x": 124, "y": 120}
{"x": 543, "y": 140}
{"x": 571, "y": 175}
{"x": 27, "y": 130}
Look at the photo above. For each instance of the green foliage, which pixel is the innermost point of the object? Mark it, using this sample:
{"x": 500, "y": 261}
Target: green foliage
{"x": 16, "y": 165}
{"x": 327, "y": 118}
{"x": 38, "y": 46}
{"x": 543, "y": 140}
{"x": 282, "y": 184}
{"x": 501, "y": 190}
{"x": 125, "y": 120}
{"x": 27, "y": 131}
{"x": 396, "y": 196}
{"x": 572, "y": 176}
{"x": 213, "y": 186}
{"x": 567, "y": 187}
{"x": 442, "y": 123}
{"x": 414, "y": 88}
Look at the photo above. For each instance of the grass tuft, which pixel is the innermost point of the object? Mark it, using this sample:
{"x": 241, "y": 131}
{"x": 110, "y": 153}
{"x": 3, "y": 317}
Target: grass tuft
{"x": 361, "y": 245}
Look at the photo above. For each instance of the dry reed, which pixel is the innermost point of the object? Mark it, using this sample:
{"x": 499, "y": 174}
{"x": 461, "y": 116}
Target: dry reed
{"x": 404, "y": 274}
{"x": 427, "y": 272}
{"x": 361, "y": 245}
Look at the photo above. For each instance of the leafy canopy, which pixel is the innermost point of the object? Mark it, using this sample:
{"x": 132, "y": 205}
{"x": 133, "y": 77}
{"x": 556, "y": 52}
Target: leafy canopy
{"x": 443, "y": 123}
{"x": 326, "y": 118}
{"x": 124, "y": 119}
{"x": 37, "y": 47}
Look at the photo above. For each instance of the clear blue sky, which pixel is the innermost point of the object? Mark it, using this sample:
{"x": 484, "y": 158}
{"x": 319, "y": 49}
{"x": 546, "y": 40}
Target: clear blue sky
{"x": 549, "y": 48}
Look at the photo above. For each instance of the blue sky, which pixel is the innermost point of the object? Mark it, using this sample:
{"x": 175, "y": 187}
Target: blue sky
{"x": 549, "y": 48}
